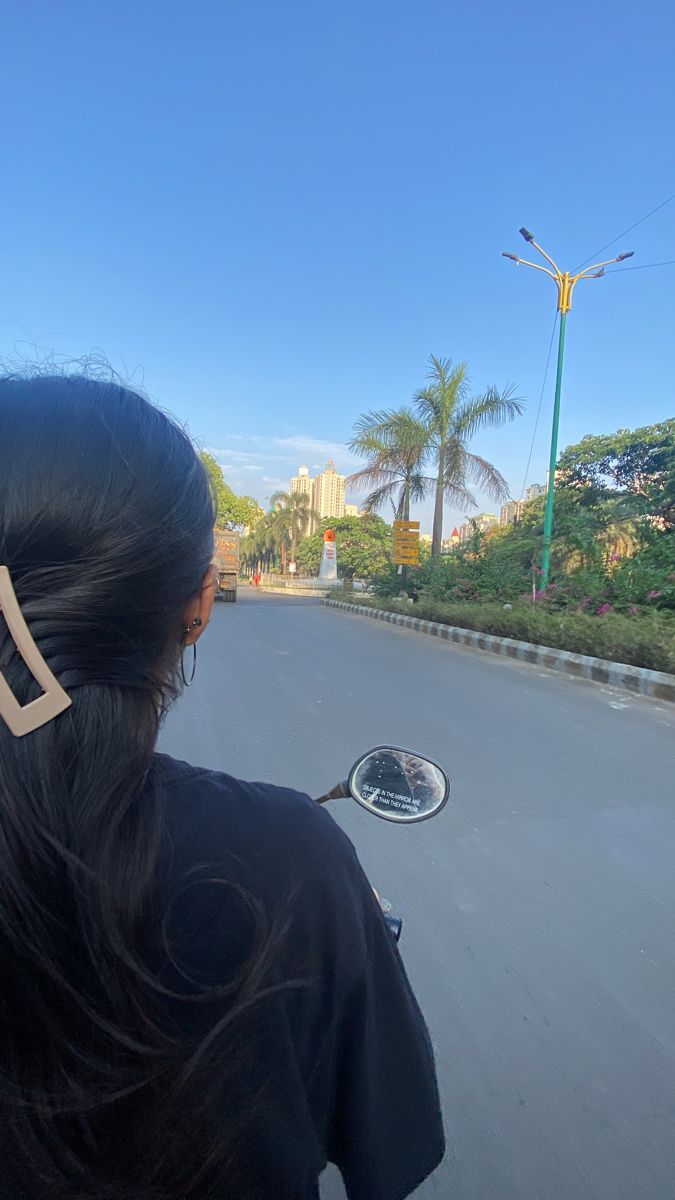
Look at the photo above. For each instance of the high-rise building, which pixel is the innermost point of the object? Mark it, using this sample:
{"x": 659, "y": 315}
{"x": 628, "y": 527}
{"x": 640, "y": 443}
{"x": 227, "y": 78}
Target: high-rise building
{"x": 483, "y": 522}
{"x": 328, "y": 493}
{"x": 511, "y": 512}
{"x": 302, "y": 482}
{"x": 486, "y": 521}
{"x": 534, "y": 491}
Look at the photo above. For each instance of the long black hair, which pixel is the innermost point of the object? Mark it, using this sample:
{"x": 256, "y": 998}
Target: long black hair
{"x": 106, "y": 526}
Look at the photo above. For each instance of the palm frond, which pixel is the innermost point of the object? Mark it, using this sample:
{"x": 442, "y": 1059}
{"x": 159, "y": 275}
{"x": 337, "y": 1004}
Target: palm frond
{"x": 487, "y": 477}
{"x": 279, "y": 500}
{"x": 492, "y": 409}
{"x": 376, "y": 473}
{"x": 419, "y": 487}
{"x": 380, "y": 495}
{"x": 447, "y": 391}
{"x": 459, "y": 496}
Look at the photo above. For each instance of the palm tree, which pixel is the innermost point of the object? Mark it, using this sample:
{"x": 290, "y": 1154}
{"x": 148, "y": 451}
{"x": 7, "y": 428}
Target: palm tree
{"x": 258, "y": 548}
{"x": 451, "y": 417}
{"x": 394, "y": 445}
{"x": 279, "y": 520}
{"x": 289, "y": 519}
{"x": 301, "y": 517}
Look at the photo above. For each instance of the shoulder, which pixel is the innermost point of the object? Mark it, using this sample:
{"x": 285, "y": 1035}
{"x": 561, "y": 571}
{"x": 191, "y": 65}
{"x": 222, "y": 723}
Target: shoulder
{"x": 278, "y": 848}
{"x": 212, "y": 817}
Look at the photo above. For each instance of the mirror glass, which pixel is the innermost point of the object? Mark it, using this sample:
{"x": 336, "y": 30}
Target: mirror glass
{"x": 399, "y": 785}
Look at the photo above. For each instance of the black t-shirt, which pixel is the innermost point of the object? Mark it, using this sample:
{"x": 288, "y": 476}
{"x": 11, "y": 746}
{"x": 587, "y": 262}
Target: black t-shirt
{"x": 340, "y": 1066}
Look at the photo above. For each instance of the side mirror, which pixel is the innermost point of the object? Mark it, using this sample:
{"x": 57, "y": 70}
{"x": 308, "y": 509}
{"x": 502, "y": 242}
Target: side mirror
{"x": 398, "y": 785}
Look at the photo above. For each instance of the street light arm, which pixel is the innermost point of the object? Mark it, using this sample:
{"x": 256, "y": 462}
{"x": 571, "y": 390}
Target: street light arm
{"x": 556, "y": 268}
{"x": 523, "y": 262}
{"x": 597, "y": 266}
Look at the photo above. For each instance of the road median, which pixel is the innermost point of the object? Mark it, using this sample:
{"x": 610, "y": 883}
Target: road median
{"x": 658, "y": 685}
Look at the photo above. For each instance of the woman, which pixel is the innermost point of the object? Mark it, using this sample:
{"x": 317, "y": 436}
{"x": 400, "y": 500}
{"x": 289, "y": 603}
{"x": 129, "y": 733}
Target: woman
{"x": 200, "y": 998}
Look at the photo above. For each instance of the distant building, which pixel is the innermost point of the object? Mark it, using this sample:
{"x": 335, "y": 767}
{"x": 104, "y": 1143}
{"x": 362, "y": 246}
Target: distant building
{"x": 302, "y": 482}
{"x": 486, "y": 521}
{"x": 483, "y": 522}
{"x": 328, "y": 493}
{"x": 534, "y": 491}
{"x": 511, "y": 512}
{"x": 449, "y": 544}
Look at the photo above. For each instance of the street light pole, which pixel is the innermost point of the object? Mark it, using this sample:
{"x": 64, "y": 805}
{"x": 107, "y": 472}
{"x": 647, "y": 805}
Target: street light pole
{"x": 565, "y": 283}
{"x": 553, "y": 458}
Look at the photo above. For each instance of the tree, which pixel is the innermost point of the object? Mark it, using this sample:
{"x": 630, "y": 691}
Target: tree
{"x": 246, "y": 512}
{"x": 279, "y": 520}
{"x": 363, "y": 547}
{"x": 452, "y": 417}
{"x": 301, "y": 515}
{"x": 258, "y": 548}
{"x": 232, "y": 512}
{"x": 394, "y": 444}
{"x": 638, "y": 463}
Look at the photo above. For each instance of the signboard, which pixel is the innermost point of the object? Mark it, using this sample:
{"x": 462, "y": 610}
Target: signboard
{"x": 406, "y": 543}
{"x": 292, "y": 568}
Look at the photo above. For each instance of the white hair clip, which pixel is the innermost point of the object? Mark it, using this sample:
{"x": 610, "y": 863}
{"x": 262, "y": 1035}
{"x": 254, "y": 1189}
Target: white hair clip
{"x": 22, "y": 720}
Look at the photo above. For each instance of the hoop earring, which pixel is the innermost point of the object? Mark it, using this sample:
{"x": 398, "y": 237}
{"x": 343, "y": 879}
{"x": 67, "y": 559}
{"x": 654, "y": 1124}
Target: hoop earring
{"x": 188, "y": 682}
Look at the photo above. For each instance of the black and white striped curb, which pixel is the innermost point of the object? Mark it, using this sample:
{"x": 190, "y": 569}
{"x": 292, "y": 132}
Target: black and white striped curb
{"x": 656, "y": 684}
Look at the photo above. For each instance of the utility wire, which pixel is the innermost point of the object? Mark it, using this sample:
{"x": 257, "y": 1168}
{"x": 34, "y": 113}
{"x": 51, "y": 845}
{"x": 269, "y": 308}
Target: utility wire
{"x": 670, "y": 262}
{"x": 629, "y": 230}
{"x": 541, "y": 397}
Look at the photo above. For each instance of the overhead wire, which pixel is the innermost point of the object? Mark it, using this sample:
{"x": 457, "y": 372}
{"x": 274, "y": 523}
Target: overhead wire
{"x": 625, "y": 231}
{"x": 541, "y": 397}
{"x": 670, "y": 262}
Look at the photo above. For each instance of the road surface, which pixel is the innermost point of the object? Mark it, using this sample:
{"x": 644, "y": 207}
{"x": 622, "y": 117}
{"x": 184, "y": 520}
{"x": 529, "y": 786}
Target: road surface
{"x": 539, "y": 908}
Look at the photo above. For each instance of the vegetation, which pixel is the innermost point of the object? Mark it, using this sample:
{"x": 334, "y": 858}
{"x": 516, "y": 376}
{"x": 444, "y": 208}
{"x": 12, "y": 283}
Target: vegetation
{"x": 278, "y": 532}
{"x": 363, "y": 547}
{"x": 612, "y": 589}
{"x": 399, "y": 446}
{"x": 394, "y": 445}
{"x": 645, "y": 642}
{"x": 452, "y": 417}
{"x": 234, "y": 512}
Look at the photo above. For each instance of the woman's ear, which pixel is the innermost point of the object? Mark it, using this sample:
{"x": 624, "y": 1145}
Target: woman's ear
{"x": 199, "y": 608}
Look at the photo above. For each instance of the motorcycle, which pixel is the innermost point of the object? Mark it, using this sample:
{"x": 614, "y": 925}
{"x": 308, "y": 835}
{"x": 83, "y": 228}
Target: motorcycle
{"x": 396, "y": 785}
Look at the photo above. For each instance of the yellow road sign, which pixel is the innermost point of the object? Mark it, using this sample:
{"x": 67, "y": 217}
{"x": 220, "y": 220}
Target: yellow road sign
{"x": 406, "y": 543}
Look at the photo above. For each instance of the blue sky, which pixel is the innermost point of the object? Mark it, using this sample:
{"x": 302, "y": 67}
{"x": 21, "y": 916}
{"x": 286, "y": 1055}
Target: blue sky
{"x": 271, "y": 214}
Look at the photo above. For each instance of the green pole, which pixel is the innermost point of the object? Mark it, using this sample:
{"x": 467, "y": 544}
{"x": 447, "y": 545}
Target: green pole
{"x": 406, "y": 517}
{"x": 550, "y": 490}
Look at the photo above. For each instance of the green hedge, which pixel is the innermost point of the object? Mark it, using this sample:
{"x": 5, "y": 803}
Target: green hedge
{"x": 647, "y": 640}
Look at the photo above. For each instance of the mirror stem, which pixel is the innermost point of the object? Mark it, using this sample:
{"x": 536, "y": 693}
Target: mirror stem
{"x": 339, "y": 792}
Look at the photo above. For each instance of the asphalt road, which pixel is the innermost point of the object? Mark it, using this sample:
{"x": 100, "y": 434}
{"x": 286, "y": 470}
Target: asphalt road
{"x": 539, "y": 907}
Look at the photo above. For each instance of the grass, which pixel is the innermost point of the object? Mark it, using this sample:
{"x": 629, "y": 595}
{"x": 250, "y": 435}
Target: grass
{"x": 643, "y": 641}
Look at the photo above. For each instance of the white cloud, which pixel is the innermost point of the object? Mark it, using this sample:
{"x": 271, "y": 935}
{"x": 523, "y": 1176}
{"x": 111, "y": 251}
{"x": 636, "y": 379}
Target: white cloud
{"x": 260, "y": 464}
{"x": 304, "y": 447}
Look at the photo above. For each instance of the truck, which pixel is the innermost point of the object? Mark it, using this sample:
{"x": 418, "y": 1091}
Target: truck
{"x": 226, "y": 558}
